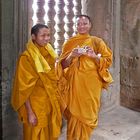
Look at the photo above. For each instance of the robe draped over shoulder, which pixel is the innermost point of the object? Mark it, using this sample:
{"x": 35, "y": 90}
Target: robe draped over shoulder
{"x": 35, "y": 80}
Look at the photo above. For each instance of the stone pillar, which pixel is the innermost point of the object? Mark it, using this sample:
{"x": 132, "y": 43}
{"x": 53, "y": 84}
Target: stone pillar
{"x": 77, "y": 11}
{"x": 40, "y": 11}
{"x": 68, "y": 19}
{"x": 130, "y": 54}
{"x": 0, "y": 73}
{"x": 14, "y": 30}
{"x": 105, "y": 15}
{"x": 30, "y": 15}
{"x": 59, "y": 25}
{"x": 49, "y": 17}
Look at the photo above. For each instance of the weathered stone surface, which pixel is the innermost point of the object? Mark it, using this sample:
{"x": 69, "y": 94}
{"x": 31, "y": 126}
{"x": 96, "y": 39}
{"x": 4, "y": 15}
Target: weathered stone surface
{"x": 115, "y": 124}
{"x": 11, "y": 32}
{"x": 130, "y": 56}
{"x": 118, "y": 124}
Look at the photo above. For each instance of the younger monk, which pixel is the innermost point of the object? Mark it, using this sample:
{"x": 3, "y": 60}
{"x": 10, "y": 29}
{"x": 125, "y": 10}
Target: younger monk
{"x": 83, "y": 73}
{"x": 34, "y": 90}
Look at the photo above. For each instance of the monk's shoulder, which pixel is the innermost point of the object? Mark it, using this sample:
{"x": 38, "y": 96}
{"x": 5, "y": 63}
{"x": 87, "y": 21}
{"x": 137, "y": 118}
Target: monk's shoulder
{"x": 70, "y": 40}
{"x": 96, "y": 39}
{"x": 25, "y": 56}
{"x": 68, "y": 44}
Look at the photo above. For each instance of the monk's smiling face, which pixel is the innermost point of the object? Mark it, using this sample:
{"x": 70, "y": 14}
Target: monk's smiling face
{"x": 42, "y": 37}
{"x": 83, "y": 25}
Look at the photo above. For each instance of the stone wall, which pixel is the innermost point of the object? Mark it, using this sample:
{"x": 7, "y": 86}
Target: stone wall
{"x": 0, "y": 78}
{"x": 105, "y": 15}
{"x": 130, "y": 54}
{"x": 13, "y": 37}
{"x": 7, "y": 48}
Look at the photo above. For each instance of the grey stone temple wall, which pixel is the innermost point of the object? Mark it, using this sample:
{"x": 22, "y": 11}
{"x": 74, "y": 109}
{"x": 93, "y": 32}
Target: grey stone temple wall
{"x": 13, "y": 37}
{"x": 0, "y": 81}
{"x": 130, "y": 54}
{"x": 7, "y": 53}
{"x": 118, "y": 23}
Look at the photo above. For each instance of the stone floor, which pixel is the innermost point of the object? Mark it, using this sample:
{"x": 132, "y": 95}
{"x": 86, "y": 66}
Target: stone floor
{"x": 118, "y": 124}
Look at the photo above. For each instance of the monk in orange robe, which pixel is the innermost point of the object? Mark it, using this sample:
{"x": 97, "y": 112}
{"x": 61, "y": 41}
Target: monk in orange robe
{"x": 83, "y": 72}
{"x": 35, "y": 88}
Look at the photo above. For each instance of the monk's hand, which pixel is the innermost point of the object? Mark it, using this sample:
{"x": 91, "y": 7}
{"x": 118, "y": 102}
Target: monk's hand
{"x": 90, "y": 52}
{"x": 32, "y": 118}
{"x": 75, "y": 52}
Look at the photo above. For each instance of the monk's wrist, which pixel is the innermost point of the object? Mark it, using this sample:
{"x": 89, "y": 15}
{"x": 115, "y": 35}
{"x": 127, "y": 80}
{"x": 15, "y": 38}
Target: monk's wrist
{"x": 66, "y": 62}
{"x": 69, "y": 59}
{"x": 98, "y": 56}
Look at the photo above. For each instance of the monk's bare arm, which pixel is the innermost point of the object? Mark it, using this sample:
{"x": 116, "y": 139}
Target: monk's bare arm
{"x": 66, "y": 62}
{"x": 73, "y": 54}
{"x": 31, "y": 115}
{"x": 90, "y": 52}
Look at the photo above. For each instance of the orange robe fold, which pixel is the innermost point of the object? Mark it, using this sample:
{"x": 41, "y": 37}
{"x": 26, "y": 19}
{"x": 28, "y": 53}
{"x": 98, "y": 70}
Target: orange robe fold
{"x": 37, "y": 82}
{"x": 80, "y": 85}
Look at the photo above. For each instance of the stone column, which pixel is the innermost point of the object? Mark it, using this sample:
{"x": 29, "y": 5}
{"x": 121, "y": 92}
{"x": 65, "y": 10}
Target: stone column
{"x": 59, "y": 25}
{"x": 49, "y": 17}
{"x": 30, "y": 15}
{"x": 77, "y": 11}
{"x": 14, "y": 30}
{"x": 40, "y": 11}
{"x": 68, "y": 19}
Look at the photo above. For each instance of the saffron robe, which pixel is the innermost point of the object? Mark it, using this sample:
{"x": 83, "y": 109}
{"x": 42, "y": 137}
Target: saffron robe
{"x": 81, "y": 83}
{"x": 35, "y": 80}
